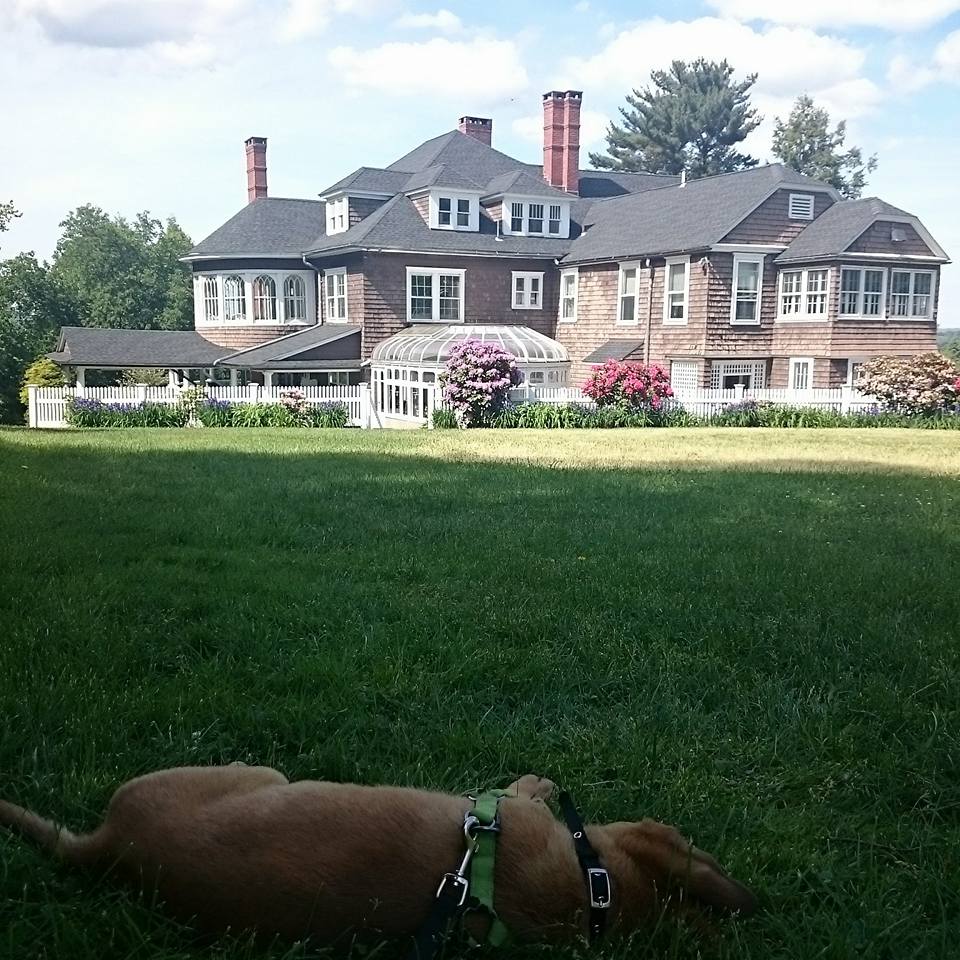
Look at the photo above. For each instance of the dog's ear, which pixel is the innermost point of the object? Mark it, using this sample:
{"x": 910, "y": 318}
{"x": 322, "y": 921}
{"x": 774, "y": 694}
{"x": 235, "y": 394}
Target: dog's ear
{"x": 673, "y": 862}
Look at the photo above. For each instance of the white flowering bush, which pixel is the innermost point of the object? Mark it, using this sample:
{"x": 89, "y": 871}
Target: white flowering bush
{"x": 923, "y": 384}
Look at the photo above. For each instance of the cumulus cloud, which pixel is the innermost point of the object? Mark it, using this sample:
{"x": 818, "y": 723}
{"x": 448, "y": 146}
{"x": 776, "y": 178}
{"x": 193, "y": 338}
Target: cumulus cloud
{"x": 443, "y": 21}
{"x": 906, "y": 75}
{"x": 484, "y": 70}
{"x": 883, "y": 14}
{"x": 304, "y": 18}
{"x": 947, "y": 56}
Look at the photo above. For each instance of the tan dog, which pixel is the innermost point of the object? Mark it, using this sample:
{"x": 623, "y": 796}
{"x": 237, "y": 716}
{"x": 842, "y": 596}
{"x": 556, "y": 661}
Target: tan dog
{"x": 240, "y": 847}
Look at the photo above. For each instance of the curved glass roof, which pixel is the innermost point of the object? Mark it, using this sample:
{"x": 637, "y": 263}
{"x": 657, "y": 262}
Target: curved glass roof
{"x": 424, "y": 345}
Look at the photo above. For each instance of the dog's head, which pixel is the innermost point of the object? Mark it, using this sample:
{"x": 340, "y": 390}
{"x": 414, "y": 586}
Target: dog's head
{"x": 664, "y": 856}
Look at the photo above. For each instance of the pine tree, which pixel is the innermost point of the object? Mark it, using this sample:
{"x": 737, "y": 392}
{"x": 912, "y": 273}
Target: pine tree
{"x": 691, "y": 118}
{"x": 806, "y": 143}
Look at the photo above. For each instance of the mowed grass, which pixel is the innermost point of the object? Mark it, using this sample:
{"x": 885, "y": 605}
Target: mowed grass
{"x": 751, "y": 634}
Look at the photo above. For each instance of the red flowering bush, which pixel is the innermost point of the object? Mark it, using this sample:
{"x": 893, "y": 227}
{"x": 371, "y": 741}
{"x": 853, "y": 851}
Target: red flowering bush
{"x": 477, "y": 380}
{"x": 922, "y": 384}
{"x": 635, "y": 385}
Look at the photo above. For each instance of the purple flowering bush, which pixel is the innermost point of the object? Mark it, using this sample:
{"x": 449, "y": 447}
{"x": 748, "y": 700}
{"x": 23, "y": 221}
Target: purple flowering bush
{"x": 477, "y": 380}
{"x": 84, "y": 412}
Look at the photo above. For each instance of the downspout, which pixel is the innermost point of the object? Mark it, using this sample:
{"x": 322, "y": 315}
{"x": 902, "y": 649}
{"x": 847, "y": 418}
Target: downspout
{"x": 316, "y": 285}
{"x": 646, "y": 339}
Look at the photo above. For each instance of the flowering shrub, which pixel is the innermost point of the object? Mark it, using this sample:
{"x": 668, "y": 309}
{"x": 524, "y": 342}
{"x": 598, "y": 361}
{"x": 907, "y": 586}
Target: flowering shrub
{"x": 477, "y": 380}
{"x": 295, "y": 403}
{"x": 619, "y": 383}
{"x": 924, "y": 384}
{"x": 82, "y": 412}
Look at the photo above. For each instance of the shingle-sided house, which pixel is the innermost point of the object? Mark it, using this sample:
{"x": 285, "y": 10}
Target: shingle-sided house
{"x": 764, "y": 278}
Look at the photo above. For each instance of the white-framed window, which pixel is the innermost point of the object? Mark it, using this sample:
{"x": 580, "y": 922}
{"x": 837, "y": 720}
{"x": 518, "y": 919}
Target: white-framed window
{"x": 338, "y": 215}
{"x": 536, "y": 218}
{"x": 450, "y": 212}
{"x": 676, "y": 287}
{"x": 854, "y": 370}
{"x": 727, "y": 374}
{"x": 800, "y": 206}
{"x": 546, "y": 378}
{"x": 527, "y": 291}
{"x": 569, "y": 282}
{"x": 627, "y": 300}
{"x": 294, "y": 298}
{"x": 911, "y": 294}
{"x": 800, "y": 373}
{"x": 211, "y": 299}
{"x": 434, "y": 295}
{"x": 234, "y": 299}
{"x": 684, "y": 374}
{"x": 556, "y": 216}
{"x": 335, "y": 294}
{"x": 803, "y": 294}
{"x": 747, "y": 288}
{"x": 264, "y": 300}
{"x": 862, "y": 292}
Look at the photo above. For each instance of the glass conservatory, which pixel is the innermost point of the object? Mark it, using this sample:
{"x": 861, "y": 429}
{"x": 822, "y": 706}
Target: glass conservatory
{"x": 405, "y": 368}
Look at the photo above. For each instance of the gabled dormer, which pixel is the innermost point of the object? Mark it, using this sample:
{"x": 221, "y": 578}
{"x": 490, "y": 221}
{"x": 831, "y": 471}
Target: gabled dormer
{"x": 526, "y": 206}
{"x": 355, "y": 197}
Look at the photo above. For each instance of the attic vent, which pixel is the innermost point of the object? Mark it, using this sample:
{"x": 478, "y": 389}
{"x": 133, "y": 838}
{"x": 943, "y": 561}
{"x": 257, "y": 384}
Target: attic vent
{"x": 898, "y": 234}
{"x": 801, "y": 206}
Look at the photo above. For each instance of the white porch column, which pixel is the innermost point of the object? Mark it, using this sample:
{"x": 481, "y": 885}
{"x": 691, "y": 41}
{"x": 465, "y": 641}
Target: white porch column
{"x": 172, "y": 379}
{"x": 233, "y": 376}
{"x": 268, "y": 380}
{"x": 80, "y": 374}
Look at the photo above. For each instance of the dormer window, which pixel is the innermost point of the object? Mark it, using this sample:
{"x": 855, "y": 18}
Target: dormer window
{"x": 338, "y": 219}
{"x": 449, "y": 212}
{"x": 800, "y": 206}
{"x": 534, "y": 218}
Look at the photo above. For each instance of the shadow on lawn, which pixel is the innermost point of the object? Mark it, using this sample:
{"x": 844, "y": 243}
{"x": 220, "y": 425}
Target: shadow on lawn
{"x": 762, "y": 658}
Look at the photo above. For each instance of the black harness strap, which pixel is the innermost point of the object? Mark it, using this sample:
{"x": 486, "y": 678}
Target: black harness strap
{"x": 594, "y": 873}
{"x": 451, "y": 903}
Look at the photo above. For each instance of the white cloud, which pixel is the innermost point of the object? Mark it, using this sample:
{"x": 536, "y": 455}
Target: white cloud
{"x": 304, "y": 18}
{"x": 484, "y": 70}
{"x": 593, "y": 126}
{"x": 443, "y": 20}
{"x": 906, "y": 75}
{"x": 883, "y": 14}
{"x": 947, "y": 56}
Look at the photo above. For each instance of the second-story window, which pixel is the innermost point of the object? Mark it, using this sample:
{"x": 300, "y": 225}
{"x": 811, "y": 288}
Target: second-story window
{"x": 627, "y": 307}
{"x": 861, "y": 292}
{"x": 294, "y": 298}
{"x": 817, "y": 292}
{"x": 527, "y": 291}
{"x": 911, "y": 294}
{"x": 568, "y": 296}
{"x": 335, "y": 294}
{"x": 747, "y": 276}
{"x": 211, "y": 300}
{"x": 434, "y": 295}
{"x": 337, "y": 215}
{"x": 264, "y": 300}
{"x": 454, "y": 213}
{"x": 234, "y": 299}
{"x": 675, "y": 290}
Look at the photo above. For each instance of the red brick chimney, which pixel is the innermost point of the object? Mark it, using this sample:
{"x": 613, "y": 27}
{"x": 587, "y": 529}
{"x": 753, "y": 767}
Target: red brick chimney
{"x": 480, "y": 128}
{"x": 256, "y": 168}
{"x": 561, "y": 139}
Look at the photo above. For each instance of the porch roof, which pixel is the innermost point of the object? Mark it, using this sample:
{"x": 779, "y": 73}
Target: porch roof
{"x": 104, "y": 347}
{"x": 614, "y": 350}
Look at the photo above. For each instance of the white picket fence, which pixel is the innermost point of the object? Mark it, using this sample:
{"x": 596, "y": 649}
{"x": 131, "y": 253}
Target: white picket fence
{"x": 47, "y": 405}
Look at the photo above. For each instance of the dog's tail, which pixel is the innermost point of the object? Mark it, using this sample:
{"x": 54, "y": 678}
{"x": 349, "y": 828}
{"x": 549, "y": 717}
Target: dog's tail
{"x": 76, "y": 850}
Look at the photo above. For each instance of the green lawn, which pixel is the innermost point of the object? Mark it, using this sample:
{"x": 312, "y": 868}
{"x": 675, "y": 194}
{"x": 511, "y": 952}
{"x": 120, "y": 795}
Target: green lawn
{"x": 754, "y": 635}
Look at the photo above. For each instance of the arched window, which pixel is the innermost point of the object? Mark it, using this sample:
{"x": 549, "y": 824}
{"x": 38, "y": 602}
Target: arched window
{"x": 211, "y": 300}
{"x": 234, "y": 299}
{"x": 294, "y": 298}
{"x": 264, "y": 300}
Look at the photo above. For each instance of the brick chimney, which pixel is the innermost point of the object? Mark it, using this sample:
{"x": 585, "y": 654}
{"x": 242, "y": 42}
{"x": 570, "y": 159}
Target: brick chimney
{"x": 480, "y": 128}
{"x": 256, "y": 168}
{"x": 561, "y": 139}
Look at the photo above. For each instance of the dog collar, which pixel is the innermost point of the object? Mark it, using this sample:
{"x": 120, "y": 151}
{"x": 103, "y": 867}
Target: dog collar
{"x": 599, "y": 889}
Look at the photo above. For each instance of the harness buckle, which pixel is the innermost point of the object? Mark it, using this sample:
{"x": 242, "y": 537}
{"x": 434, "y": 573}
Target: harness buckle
{"x": 599, "y": 882}
{"x": 454, "y": 885}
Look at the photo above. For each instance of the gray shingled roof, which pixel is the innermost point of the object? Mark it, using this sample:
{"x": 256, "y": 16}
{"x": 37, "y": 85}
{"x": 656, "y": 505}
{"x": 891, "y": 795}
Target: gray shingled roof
{"x": 524, "y": 183}
{"x": 268, "y": 227}
{"x": 442, "y": 175}
{"x": 836, "y": 228}
{"x": 370, "y": 180}
{"x": 614, "y": 183}
{"x": 460, "y": 152}
{"x": 680, "y": 218}
{"x": 397, "y": 225}
{"x": 613, "y": 350}
{"x": 100, "y": 346}
{"x": 290, "y": 346}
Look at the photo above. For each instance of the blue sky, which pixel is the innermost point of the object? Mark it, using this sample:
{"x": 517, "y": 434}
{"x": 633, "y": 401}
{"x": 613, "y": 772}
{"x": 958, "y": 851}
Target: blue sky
{"x": 144, "y": 104}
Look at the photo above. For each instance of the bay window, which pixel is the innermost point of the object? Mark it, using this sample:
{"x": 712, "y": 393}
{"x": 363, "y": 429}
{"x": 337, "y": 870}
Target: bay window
{"x": 747, "y": 283}
{"x": 527, "y": 291}
{"x": 568, "y": 296}
{"x": 817, "y": 292}
{"x": 911, "y": 294}
{"x": 294, "y": 299}
{"x": 234, "y": 299}
{"x": 675, "y": 292}
{"x": 434, "y": 295}
{"x": 264, "y": 300}
{"x": 861, "y": 292}
{"x": 627, "y": 304}
{"x": 335, "y": 294}
{"x": 804, "y": 294}
{"x": 211, "y": 299}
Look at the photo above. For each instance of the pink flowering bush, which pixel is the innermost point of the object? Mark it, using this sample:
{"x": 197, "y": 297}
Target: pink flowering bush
{"x": 477, "y": 380}
{"x": 625, "y": 384}
{"x": 923, "y": 384}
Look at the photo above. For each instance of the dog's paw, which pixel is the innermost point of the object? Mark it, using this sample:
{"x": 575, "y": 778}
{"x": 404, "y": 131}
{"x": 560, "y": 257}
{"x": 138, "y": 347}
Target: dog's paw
{"x": 532, "y": 787}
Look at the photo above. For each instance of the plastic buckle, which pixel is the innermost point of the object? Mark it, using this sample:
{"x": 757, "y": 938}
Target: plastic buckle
{"x": 457, "y": 881}
{"x": 599, "y": 882}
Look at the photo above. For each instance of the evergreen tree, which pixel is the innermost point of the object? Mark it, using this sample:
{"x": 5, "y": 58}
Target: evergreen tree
{"x": 806, "y": 143}
{"x": 691, "y": 118}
